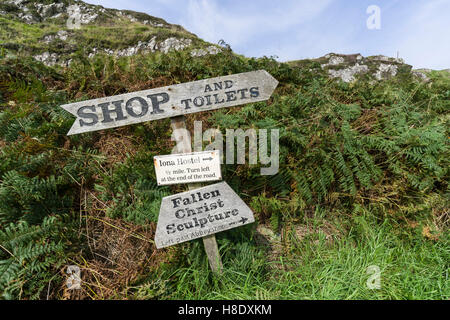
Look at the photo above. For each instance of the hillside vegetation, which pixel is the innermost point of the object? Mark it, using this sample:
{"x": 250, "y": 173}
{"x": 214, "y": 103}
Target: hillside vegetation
{"x": 363, "y": 181}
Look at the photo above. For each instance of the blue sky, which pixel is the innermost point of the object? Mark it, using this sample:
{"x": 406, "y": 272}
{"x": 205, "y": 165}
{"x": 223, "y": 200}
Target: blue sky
{"x": 419, "y": 30}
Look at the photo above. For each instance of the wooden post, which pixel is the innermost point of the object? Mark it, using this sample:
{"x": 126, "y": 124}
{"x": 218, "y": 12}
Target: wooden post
{"x": 184, "y": 145}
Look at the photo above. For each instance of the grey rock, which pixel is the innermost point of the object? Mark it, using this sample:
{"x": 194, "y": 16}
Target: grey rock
{"x": 385, "y": 59}
{"x": 385, "y": 71}
{"x": 348, "y": 74}
{"x": 84, "y": 14}
{"x": 333, "y": 61}
{"x": 203, "y": 52}
{"x": 420, "y": 75}
{"x": 347, "y": 66}
{"x": 50, "y": 10}
{"x": 61, "y": 35}
{"x": 150, "y": 46}
{"x": 174, "y": 44}
{"x": 47, "y": 58}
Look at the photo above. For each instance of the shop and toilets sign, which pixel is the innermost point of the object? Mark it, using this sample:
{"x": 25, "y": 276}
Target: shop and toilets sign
{"x": 170, "y": 101}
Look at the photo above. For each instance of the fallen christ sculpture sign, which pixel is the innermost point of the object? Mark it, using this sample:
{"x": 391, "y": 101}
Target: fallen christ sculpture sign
{"x": 200, "y": 212}
{"x": 170, "y": 101}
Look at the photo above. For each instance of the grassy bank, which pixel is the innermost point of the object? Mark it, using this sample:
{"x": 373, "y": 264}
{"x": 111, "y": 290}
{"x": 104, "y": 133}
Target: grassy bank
{"x": 363, "y": 181}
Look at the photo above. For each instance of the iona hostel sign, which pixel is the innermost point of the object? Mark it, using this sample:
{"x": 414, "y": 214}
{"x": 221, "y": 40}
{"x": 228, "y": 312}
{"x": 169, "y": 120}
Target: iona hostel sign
{"x": 187, "y": 167}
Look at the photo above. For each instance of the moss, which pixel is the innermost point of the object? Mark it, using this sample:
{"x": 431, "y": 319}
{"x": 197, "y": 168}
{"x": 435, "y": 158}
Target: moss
{"x": 140, "y": 16}
{"x": 8, "y": 7}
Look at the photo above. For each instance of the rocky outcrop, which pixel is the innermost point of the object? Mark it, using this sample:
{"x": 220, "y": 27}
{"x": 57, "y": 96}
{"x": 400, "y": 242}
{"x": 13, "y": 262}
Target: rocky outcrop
{"x": 152, "y": 45}
{"x": 348, "y": 67}
{"x": 165, "y": 46}
{"x": 71, "y": 18}
{"x": 33, "y": 12}
{"x": 173, "y": 44}
{"x": 47, "y": 58}
{"x": 205, "y": 51}
{"x": 62, "y": 35}
{"x": 385, "y": 71}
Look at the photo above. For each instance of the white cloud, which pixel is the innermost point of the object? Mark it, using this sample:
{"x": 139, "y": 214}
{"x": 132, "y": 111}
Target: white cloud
{"x": 425, "y": 41}
{"x": 296, "y": 29}
{"x": 237, "y": 24}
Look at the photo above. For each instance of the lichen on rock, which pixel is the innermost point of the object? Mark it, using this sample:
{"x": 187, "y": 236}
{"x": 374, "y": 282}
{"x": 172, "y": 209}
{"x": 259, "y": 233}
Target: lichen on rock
{"x": 348, "y": 66}
{"x": 203, "y": 52}
{"x": 385, "y": 71}
{"x": 173, "y": 44}
{"x": 47, "y": 58}
{"x": 348, "y": 74}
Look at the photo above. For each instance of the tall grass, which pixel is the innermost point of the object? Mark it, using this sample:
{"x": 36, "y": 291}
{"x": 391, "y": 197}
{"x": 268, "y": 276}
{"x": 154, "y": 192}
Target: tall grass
{"x": 315, "y": 268}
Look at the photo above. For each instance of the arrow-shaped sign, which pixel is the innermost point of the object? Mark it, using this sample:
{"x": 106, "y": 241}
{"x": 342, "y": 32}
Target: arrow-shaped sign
{"x": 200, "y": 212}
{"x": 171, "y": 101}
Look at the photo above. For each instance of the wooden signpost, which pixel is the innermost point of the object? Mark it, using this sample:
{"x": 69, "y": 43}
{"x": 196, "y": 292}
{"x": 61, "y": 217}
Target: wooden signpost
{"x": 184, "y": 145}
{"x": 181, "y": 219}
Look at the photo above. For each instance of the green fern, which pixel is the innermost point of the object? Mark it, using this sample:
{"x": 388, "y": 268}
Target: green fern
{"x": 28, "y": 258}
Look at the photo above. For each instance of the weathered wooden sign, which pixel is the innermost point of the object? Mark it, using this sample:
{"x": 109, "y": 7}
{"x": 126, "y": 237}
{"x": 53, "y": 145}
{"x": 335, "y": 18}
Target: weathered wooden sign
{"x": 200, "y": 212}
{"x": 171, "y": 101}
{"x": 197, "y": 213}
{"x": 188, "y": 167}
